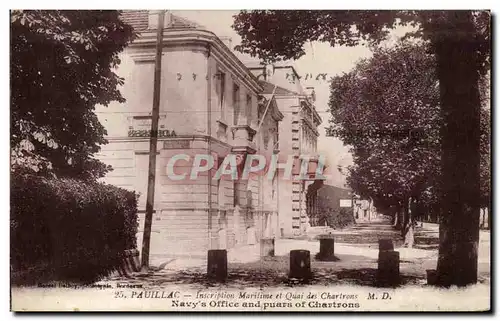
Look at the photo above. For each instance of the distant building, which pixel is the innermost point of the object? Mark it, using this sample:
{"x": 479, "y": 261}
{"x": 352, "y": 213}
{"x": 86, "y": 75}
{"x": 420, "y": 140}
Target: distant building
{"x": 363, "y": 210}
{"x": 332, "y": 198}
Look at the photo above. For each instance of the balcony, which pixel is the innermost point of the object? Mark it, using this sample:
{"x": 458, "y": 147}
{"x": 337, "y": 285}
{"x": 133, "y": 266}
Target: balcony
{"x": 242, "y": 136}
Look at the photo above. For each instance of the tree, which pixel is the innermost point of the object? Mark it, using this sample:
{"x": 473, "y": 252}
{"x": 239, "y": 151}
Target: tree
{"x": 395, "y": 92}
{"x": 460, "y": 41}
{"x": 387, "y": 109}
{"x": 61, "y": 67}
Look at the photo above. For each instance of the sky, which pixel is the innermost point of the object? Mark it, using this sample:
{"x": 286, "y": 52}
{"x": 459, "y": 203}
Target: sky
{"x": 319, "y": 58}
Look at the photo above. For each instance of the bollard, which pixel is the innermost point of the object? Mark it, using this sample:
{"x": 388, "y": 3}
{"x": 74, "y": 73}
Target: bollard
{"x": 267, "y": 247}
{"x": 326, "y": 248}
{"x": 300, "y": 264}
{"x": 388, "y": 268}
{"x": 217, "y": 265}
{"x": 431, "y": 277}
{"x": 385, "y": 245}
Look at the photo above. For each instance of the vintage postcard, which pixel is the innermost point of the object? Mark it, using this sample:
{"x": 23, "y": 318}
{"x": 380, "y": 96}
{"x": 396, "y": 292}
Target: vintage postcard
{"x": 250, "y": 160}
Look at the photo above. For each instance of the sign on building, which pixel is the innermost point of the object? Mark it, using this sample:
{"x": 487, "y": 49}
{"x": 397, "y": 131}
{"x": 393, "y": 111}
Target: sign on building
{"x": 346, "y": 203}
{"x": 140, "y": 126}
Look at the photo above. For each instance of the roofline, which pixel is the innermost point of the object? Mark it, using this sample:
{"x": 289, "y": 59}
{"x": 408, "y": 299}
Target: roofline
{"x": 291, "y": 92}
{"x": 147, "y": 38}
{"x": 276, "y": 67}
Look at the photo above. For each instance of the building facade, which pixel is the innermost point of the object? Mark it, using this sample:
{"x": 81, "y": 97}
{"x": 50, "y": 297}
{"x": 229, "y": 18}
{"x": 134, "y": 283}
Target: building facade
{"x": 298, "y": 134}
{"x": 209, "y": 105}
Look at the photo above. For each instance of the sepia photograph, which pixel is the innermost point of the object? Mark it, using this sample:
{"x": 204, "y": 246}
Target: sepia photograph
{"x": 250, "y": 160}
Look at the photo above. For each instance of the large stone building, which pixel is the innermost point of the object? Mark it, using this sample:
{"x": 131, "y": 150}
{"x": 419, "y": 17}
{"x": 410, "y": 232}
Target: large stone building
{"x": 209, "y": 105}
{"x": 298, "y": 136}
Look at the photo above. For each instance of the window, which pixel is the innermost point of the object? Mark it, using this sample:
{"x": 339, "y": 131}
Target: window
{"x": 260, "y": 112}
{"x": 221, "y": 84}
{"x": 249, "y": 108}
{"x": 236, "y": 103}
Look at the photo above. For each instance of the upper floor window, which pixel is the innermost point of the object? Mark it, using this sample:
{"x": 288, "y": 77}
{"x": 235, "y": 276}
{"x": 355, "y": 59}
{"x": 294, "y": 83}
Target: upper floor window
{"x": 249, "y": 108}
{"x": 236, "y": 103}
{"x": 221, "y": 89}
{"x": 260, "y": 112}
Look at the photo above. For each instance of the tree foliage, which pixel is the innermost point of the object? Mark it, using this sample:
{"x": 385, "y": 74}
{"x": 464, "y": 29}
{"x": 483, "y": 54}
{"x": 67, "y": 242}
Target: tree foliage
{"x": 408, "y": 160}
{"x": 387, "y": 110}
{"x": 61, "y": 67}
{"x": 460, "y": 41}
{"x": 274, "y": 35}
{"x": 281, "y": 34}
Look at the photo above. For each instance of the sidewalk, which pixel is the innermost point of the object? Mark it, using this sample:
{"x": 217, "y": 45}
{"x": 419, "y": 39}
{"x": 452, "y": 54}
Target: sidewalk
{"x": 356, "y": 248}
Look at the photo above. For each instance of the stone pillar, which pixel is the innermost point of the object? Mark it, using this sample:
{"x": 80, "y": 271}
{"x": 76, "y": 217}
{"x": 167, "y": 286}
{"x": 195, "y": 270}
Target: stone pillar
{"x": 431, "y": 277}
{"x": 217, "y": 265}
{"x": 326, "y": 248}
{"x": 267, "y": 247}
{"x": 385, "y": 245}
{"x": 300, "y": 264}
{"x": 388, "y": 268}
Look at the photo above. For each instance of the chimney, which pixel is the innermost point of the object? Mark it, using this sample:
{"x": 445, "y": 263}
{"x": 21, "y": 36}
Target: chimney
{"x": 153, "y": 19}
{"x": 269, "y": 72}
{"x": 310, "y": 93}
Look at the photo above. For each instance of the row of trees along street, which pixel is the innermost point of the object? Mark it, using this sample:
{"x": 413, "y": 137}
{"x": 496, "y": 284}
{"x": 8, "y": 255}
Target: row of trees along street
{"x": 430, "y": 86}
{"x": 387, "y": 109}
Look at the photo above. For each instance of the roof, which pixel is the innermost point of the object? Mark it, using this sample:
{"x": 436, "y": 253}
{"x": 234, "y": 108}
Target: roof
{"x": 138, "y": 19}
{"x": 269, "y": 88}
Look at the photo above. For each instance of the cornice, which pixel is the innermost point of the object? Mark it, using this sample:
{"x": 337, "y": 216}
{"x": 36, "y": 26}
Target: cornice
{"x": 206, "y": 41}
{"x": 204, "y": 138}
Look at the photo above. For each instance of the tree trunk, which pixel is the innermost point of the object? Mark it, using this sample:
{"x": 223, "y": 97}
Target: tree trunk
{"x": 399, "y": 218}
{"x": 457, "y": 71}
{"x": 489, "y": 215}
{"x": 405, "y": 217}
{"x": 408, "y": 232}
